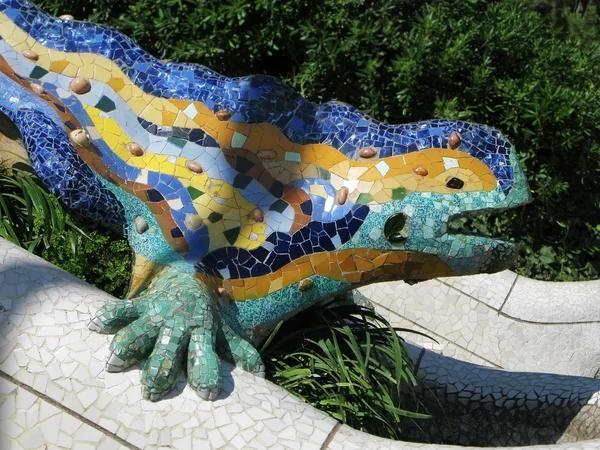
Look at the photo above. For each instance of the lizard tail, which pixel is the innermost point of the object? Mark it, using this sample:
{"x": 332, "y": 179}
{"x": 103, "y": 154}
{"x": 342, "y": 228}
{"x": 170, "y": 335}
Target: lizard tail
{"x": 53, "y": 157}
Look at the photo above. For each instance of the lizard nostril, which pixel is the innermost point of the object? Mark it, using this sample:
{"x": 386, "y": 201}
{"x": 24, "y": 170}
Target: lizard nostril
{"x": 395, "y": 228}
{"x": 342, "y": 195}
{"x": 30, "y": 54}
{"x": 37, "y": 89}
{"x": 193, "y": 166}
{"x": 80, "y": 137}
{"x": 80, "y": 85}
{"x": 257, "y": 215}
{"x": 455, "y": 183}
{"x": 135, "y": 149}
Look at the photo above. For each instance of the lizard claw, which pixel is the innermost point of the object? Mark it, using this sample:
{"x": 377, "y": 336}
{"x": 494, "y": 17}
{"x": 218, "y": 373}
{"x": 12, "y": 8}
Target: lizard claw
{"x": 175, "y": 317}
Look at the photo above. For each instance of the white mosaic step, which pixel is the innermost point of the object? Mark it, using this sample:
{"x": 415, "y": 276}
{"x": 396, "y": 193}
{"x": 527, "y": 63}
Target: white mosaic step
{"x": 57, "y": 366}
{"x": 542, "y": 301}
{"x": 29, "y": 422}
{"x": 349, "y": 439}
{"x": 480, "y": 329}
{"x": 45, "y": 345}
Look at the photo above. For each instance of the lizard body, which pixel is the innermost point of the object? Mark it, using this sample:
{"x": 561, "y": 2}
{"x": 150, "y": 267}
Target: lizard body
{"x": 243, "y": 202}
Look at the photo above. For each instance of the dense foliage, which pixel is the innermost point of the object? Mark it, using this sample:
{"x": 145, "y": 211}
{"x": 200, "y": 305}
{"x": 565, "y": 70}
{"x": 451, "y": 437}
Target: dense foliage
{"x": 349, "y": 362}
{"x": 529, "y": 68}
{"x": 34, "y": 219}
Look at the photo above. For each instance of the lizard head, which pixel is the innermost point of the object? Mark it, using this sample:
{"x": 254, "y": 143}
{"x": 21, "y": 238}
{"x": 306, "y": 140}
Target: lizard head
{"x": 456, "y": 169}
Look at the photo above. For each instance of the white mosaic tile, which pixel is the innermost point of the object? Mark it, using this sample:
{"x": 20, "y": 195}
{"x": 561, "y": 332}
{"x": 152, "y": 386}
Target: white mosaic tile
{"x": 46, "y": 426}
{"x": 69, "y": 361}
{"x": 542, "y": 301}
{"x": 491, "y": 289}
{"x": 349, "y": 439}
{"x": 44, "y": 345}
{"x": 431, "y": 341}
{"x": 484, "y": 333}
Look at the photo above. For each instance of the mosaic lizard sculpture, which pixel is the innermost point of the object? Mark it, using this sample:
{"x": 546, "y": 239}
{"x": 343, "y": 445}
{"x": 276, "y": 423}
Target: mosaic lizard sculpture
{"x": 243, "y": 202}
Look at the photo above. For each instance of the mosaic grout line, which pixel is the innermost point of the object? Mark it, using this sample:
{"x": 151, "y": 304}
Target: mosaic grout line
{"x": 508, "y": 296}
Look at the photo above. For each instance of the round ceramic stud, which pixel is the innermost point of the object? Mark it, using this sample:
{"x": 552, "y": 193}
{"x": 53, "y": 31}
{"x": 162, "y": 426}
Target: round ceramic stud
{"x": 367, "y": 152}
{"x": 454, "y": 140}
{"x": 193, "y": 221}
{"x": 267, "y": 154}
{"x": 135, "y": 149}
{"x": 141, "y": 225}
{"x": 30, "y": 55}
{"x": 80, "y": 137}
{"x": 257, "y": 215}
{"x": 193, "y": 166}
{"x": 67, "y": 17}
{"x": 222, "y": 292}
{"x": 80, "y": 85}
{"x": 39, "y": 90}
{"x": 342, "y": 195}
{"x": 421, "y": 170}
{"x": 223, "y": 114}
{"x": 305, "y": 284}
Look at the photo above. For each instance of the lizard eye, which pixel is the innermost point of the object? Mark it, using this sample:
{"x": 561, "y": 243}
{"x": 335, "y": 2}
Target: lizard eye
{"x": 455, "y": 183}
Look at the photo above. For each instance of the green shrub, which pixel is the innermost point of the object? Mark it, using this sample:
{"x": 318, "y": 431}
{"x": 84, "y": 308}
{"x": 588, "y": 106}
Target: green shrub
{"x": 529, "y": 68}
{"x": 102, "y": 258}
{"x": 34, "y": 219}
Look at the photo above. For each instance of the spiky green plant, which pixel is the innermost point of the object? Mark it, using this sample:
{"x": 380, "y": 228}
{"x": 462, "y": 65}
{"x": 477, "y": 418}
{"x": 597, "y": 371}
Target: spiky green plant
{"x": 33, "y": 218}
{"x": 348, "y": 361}
{"x": 29, "y": 214}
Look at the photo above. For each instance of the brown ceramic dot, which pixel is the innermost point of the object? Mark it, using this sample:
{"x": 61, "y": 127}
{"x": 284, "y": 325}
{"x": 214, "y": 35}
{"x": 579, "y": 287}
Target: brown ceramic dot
{"x": 30, "y": 54}
{"x": 267, "y": 154}
{"x": 342, "y": 195}
{"x": 223, "y": 114}
{"x": 37, "y": 89}
{"x": 193, "y": 166}
{"x": 222, "y": 292}
{"x": 80, "y": 137}
{"x": 305, "y": 284}
{"x": 454, "y": 140}
{"x": 193, "y": 221}
{"x": 80, "y": 85}
{"x": 135, "y": 149}
{"x": 257, "y": 215}
{"x": 67, "y": 17}
{"x": 421, "y": 170}
{"x": 367, "y": 152}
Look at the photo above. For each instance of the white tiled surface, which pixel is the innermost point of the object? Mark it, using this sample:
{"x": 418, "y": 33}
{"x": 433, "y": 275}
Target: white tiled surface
{"x": 490, "y": 289}
{"x": 27, "y": 421}
{"x": 541, "y": 301}
{"x": 471, "y": 329}
{"x": 349, "y": 439}
{"x": 45, "y": 345}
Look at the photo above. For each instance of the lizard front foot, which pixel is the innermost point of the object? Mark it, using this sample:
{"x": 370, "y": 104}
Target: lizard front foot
{"x": 173, "y": 316}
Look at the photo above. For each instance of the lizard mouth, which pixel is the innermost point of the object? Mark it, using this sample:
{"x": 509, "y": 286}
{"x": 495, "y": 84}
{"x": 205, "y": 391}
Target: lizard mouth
{"x": 397, "y": 228}
{"x": 465, "y": 250}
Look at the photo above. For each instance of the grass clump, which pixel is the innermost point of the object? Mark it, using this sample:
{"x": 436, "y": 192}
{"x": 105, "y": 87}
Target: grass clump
{"x": 33, "y": 218}
{"x": 349, "y": 362}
